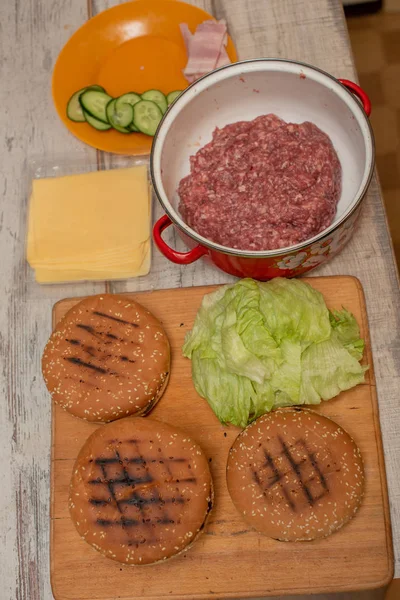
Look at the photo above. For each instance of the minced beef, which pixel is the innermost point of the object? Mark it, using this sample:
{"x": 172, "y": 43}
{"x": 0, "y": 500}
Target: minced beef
{"x": 262, "y": 184}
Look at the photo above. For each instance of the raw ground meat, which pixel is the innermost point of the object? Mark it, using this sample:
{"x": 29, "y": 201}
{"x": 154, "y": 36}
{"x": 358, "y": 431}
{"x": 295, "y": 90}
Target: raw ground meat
{"x": 262, "y": 184}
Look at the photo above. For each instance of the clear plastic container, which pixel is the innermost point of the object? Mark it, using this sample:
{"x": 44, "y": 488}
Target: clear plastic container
{"x": 62, "y": 166}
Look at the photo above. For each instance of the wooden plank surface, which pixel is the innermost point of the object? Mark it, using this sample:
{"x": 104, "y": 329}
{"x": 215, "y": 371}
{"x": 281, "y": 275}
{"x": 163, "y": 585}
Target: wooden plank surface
{"x": 230, "y": 560}
{"x": 31, "y": 35}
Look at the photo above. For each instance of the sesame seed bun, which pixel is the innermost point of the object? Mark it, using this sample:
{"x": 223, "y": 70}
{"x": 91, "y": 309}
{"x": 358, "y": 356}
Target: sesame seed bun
{"x": 295, "y": 475}
{"x": 141, "y": 491}
{"x": 107, "y": 358}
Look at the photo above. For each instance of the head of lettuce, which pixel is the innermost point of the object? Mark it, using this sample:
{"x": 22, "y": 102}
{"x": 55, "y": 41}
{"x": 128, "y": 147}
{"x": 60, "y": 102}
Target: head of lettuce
{"x": 257, "y": 346}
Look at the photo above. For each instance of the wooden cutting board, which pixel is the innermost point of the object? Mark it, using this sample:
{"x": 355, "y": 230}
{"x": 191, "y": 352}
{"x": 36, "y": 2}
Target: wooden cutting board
{"x": 229, "y": 560}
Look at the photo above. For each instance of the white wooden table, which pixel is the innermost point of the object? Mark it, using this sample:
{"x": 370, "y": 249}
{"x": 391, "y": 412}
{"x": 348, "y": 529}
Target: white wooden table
{"x": 31, "y": 36}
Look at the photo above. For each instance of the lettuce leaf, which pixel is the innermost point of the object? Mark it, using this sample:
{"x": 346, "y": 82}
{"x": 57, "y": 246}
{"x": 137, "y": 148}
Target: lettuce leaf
{"x": 347, "y": 332}
{"x": 257, "y": 346}
{"x": 328, "y": 368}
{"x": 229, "y": 395}
{"x": 293, "y": 309}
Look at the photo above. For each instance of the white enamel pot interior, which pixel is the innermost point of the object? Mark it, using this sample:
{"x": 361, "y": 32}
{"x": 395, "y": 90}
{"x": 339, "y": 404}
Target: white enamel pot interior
{"x": 242, "y": 91}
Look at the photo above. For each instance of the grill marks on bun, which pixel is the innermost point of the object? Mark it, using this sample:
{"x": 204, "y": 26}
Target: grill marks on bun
{"x": 294, "y": 461}
{"x": 141, "y": 491}
{"x": 108, "y": 357}
{"x": 295, "y": 475}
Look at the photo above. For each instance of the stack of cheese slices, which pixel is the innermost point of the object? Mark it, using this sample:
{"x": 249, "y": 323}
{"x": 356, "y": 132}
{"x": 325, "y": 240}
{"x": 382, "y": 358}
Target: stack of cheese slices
{"x": 91, "y": 226}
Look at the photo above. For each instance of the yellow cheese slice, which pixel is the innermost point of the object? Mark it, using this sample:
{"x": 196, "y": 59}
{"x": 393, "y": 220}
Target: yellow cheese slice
{"x": 93, "y": 225}
{"x": 129, "y": 264}
{"x": 109, "y": 260}
{"x": 62, "y": 275}
{"x": 80, "y": 215}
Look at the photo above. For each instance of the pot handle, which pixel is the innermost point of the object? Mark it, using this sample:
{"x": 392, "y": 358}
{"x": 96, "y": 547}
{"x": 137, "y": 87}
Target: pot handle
{"x": 359, "y": 92}
{"x": 180, "y": 258}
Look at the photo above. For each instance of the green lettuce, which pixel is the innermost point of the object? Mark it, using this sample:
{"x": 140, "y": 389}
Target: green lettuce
{"x": 257, "y": 346}
{"x": 346, "y": 330}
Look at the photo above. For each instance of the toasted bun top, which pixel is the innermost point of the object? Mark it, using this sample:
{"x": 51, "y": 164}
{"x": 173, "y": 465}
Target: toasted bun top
{"x": 140, "y": 491}
{"x": 295, "y": 475}
{"x": 108, "y": 357}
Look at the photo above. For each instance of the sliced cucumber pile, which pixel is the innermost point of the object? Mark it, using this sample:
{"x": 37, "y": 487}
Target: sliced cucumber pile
{"x": 129, "y": 113}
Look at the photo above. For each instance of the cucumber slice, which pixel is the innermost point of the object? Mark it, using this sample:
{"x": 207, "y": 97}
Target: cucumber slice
{"x": 99, "y": 125}
{"x": 147, "y": 116}
{"x": 157, "y": 97}
{"x": 94, "y": 102}
{"x": 133, "y": 128}
{"x": 129, "y": 98}
{"x": 123, "y": 114}
{"x": 74, "y": 108}
{"x": 114, "y": 119}
{"x": 173, "y": 96}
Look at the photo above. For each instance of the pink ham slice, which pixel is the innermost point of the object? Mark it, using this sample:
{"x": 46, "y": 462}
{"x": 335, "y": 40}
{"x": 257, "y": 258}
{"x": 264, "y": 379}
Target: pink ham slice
{"x": 223, "y": 58}
{"x": 187, "y": 36}
{"x": 205, "y": 48}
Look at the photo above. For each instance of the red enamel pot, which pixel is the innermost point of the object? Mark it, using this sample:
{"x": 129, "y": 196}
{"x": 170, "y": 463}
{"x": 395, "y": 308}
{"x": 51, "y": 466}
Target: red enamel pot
{"x": 296, "y": 92}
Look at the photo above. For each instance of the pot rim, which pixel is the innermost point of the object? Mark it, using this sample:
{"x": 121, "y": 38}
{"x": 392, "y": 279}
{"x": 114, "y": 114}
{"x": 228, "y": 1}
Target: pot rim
{"x": 189, "y": 93}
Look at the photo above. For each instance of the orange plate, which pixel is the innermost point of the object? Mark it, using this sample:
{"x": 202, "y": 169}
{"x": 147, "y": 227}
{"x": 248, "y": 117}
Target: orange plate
{"x": 131, "y": 47}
